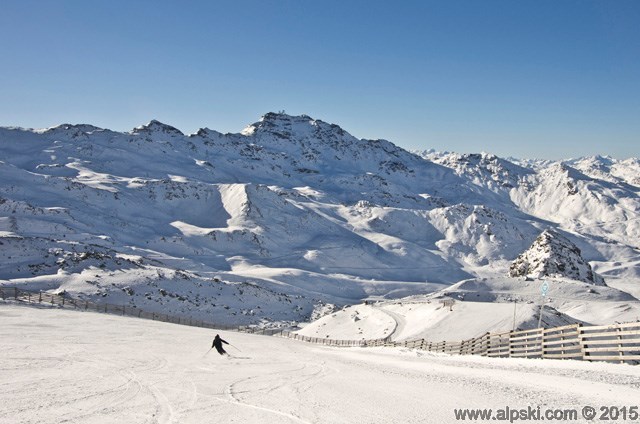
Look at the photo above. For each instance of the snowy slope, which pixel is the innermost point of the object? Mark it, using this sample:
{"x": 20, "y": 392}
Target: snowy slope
{"x": 145, "y": 371}
{"x": 609, "y": 169}
{"x": 497, "y": 304}
{"x": 292, "y": 212}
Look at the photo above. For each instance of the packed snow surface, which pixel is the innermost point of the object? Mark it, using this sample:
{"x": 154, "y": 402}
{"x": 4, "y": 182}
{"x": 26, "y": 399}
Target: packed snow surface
{"x": 80, "y": 367}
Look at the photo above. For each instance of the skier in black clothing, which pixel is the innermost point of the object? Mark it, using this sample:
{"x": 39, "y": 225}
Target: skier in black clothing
{"x": 217, "y": 343}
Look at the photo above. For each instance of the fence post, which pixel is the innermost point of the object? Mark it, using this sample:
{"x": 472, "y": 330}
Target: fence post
{"x": 562, "y": 351}
{"x": 29, "y": 294}
{"x": 620, "y": 351}
{"x": 40, "y": 296}
{"x": 62, "y": 299}
{"x": 583, "y": 346}
{"x": 16, "y": 292}
{"x": 510, "y": 343}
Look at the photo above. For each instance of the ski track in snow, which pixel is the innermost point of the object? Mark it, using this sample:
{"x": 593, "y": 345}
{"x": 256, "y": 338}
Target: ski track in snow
{"x": 233, "y": 394}
{"x": 80, "y": 367}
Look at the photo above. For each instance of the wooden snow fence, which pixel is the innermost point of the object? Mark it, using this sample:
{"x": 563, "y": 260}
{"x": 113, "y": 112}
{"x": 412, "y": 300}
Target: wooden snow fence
{"x": 332, "y": 342}
{"x": 611, "y": 343}
{"x": 61, "y": 300}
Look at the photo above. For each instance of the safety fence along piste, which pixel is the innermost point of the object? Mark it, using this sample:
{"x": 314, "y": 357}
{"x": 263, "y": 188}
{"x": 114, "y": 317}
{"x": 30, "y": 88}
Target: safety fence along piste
{"x": 613, "y": 343}
{"x": 334, "y": 342}
{"x": 60, "y": 300}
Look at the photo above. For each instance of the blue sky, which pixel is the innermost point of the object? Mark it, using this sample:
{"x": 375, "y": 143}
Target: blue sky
{"x": 538, "y": 79}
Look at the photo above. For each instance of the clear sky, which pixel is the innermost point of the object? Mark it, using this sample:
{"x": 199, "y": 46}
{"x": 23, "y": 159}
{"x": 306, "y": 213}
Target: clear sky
{"x": 536, "y": 79}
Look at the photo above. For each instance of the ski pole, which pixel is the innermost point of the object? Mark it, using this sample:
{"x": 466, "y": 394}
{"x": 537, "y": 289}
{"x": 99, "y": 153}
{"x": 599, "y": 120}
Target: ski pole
{"x": 235, "y": 347}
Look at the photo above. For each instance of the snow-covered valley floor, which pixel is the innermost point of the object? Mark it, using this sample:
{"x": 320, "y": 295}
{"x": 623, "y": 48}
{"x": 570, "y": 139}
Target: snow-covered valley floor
{"x": 60, "y": 366}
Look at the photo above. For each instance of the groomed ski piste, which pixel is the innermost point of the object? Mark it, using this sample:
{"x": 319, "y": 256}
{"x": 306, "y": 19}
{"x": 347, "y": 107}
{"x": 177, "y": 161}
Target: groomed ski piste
{"x": 64, "y": 366}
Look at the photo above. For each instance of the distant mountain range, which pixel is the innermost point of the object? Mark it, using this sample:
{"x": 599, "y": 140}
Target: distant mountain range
{"x": 291, "y": 213}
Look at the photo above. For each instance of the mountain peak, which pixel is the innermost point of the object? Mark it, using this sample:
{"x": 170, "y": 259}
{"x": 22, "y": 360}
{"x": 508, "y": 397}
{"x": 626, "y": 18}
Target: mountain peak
{"x": 281, "y": 116}
{"x": 276, "y": 122}
{"x": 206, "y": 132}
{"x": 289, "y": 127}
{"x": 553, "y": 255}
{"x": 72, "y": 128}
{"x": 155, "y": 126}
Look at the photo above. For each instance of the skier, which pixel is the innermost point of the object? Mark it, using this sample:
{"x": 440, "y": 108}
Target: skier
{"x": 217, "y": 343}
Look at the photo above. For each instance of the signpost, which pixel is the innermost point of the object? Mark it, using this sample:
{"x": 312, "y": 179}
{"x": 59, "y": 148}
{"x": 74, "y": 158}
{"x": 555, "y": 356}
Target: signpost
{"x": 515, "y": 302}
{"x": 543, "y": 289}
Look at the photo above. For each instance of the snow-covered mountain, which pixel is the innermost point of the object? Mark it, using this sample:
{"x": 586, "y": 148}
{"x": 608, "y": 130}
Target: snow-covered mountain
{"x": 592, "y": 201}
{"x": 555, "y": 256}
{"x": 287, "y": 215}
